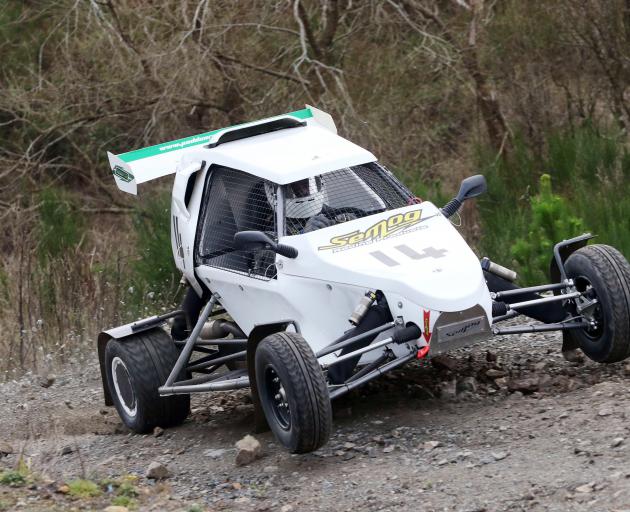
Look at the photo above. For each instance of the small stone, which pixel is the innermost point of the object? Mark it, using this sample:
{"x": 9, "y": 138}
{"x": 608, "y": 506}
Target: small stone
{"x": 573, "y": 355}
{"x": 68, "y": 404}
{"x": 5, "y": 449}
{"x": 242, "y": 499}
{"x": 467, "y": 384}
{"x": 270, "y": 469}
{"x": 490, "y": 356}
{"x": 493, "y": 373}
{"x": 66, "y": 450}
{"x": 63, "y": 489}
{"x": 248, "y": 450}
{"x": 499, "y": 455}
{"x": 501, "y": 382}
{"x": 444, "y": 362}
{"x": 448, "y": 389}
{"x": 604, "y": 412}
{"x": 158, "y": 432}
{"x": 286, "y": 508}
{"x": 442, "y": 462}
{"x": 524, "y": 385}
{"x": 215, "y": 453}
{"x": 157, "y": 471}
{"x": 430, "y": 445}
{"x": 348, "y": 446}
{"x": 115, "y": 508}
{"x": 46, "y": 381}
{"x": 617, "y": 441}
{"x": 389, "y": 449}
{"x": 586, "y": 488}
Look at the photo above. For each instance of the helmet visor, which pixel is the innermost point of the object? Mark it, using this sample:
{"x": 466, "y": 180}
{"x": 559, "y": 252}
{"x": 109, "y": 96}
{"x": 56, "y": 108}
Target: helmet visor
{"x": 304, "y": 188}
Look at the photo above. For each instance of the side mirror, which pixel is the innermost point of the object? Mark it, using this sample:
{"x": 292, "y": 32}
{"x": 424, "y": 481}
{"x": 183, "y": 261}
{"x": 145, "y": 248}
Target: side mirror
{"x": 472, "y": 186}
{"x": 257, "y": 240}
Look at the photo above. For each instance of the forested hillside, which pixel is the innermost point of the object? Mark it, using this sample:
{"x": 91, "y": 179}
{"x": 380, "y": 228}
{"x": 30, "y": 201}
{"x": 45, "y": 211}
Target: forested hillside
{"x": 534, "y": 94}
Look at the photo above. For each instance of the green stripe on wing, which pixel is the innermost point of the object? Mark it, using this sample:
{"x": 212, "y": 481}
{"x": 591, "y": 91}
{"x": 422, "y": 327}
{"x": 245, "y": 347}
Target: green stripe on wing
{"x": 193, "y": 140}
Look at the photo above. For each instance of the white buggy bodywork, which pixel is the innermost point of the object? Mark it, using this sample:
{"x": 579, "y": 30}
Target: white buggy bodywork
{"x": 424, "y": 268}
{"x": 332, "y": 273}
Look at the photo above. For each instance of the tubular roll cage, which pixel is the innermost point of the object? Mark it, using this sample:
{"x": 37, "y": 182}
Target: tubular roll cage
{"x": 387, "y": 361}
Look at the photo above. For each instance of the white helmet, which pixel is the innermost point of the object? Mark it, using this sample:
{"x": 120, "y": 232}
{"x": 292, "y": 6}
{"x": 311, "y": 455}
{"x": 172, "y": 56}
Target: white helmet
{"x": 303, "y": 198}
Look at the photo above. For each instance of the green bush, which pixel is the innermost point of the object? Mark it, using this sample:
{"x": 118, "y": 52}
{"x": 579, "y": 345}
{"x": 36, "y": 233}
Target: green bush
{"x": 551, "y": 221}
{"x": 12, "y": 478}
{"x": 84, "y": 489}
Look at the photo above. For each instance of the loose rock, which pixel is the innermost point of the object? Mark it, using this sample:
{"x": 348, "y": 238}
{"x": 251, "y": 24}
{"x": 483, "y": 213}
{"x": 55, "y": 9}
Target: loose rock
{"x": 248, "y": 450}
{"x": 46, "y": 381}
{"x": 430, "y": 445}
{"x": 158, "y": 432}
{"x": 586, "y": 488}
{"x": 5, "y": 449}
{"x": 157, "y": 471}
{"x": 499, "y": 455}
{"x": 448, "y": 389}
{"x": 617, "y": 441}
{"x": 467, "y": 384}
{"x": 444, "y": 362}
{"x": 524, "y": 385}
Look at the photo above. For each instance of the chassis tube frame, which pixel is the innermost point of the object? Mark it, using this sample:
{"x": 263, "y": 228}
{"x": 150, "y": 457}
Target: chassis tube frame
{"x": 342, "y": 344}
{"x": 184, "y": 356}
{"x": 531, "y": 289}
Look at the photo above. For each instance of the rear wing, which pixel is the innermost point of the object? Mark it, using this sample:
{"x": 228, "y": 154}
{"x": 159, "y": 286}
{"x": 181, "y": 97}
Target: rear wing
{"x": 145, "y": 164}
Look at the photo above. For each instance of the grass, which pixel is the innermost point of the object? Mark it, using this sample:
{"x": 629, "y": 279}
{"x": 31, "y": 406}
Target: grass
{"x": 587, "y": 189}
{"x": 124, "y": 501}
{"x": 81, "y": 488}
{"x": 12, "y": 478}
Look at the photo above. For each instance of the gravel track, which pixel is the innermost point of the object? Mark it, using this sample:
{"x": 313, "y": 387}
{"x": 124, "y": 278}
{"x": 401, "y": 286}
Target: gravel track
{"x": 505, "y": 425}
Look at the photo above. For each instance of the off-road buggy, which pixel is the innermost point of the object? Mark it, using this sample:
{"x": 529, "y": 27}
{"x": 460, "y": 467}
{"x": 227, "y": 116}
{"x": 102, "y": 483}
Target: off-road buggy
{"x": 312, "y": 270}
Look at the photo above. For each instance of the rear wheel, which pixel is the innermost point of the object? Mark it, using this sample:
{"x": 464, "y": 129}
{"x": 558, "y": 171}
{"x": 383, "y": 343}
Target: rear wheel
{"x": 293, "y": 392}
{"x": 602, "y": 274}
{"x": 136, "y": 367}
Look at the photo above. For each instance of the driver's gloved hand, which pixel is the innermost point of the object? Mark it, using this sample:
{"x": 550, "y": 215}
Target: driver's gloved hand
{"x": 317, "y": 222}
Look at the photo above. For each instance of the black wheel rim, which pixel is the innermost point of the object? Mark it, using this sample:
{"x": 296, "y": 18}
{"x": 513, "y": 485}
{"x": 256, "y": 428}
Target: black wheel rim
{"x": 583, "y": 284}
{"x": 123, "y": 387}
{"x": 277, "y": 398}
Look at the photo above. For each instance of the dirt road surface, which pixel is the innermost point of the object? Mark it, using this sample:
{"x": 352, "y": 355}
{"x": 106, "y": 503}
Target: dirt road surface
{"x": 505, "y": 425}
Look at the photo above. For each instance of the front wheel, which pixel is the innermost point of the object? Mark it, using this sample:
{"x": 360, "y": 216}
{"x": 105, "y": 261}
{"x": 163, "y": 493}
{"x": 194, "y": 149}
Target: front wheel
{"x": 136, "y": 367}
{"x": 293, "y": 392}
{"x": 602, "y": 274}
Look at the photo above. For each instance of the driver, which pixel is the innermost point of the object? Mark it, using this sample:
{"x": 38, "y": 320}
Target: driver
{"x": 305, "y": 206}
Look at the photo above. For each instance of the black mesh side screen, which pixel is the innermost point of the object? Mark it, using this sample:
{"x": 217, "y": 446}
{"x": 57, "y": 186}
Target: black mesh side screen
{"x": 236, "y": 201}
{"x": 342, "y": 195}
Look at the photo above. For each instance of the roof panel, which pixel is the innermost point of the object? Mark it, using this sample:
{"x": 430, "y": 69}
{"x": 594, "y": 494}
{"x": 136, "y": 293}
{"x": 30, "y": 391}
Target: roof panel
{"x": 290, "y": 155}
